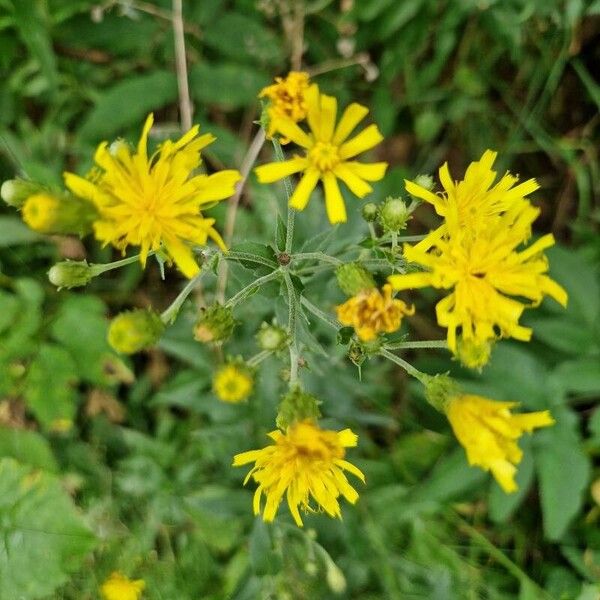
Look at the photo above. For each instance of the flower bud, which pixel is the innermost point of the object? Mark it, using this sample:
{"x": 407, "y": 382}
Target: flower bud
{"x": 215, "y": 324}
{"x": 335, "y": 578}
{"x": 297, "y": 406}
{"x": 61, "y": 215}
{"x": 393, "y": 214}
{"x": 425, "y": 181}
{"x": 70, "y": 274}
{"x": 474, "y": 354}
{"x": 135, "y": 330}
{"x": 271, "y": 337}
{"x": 369, "y": 212}
{"x": 15, "y": 191}
{"x": 439, "y": 390}
{"x": 353, "y": 278}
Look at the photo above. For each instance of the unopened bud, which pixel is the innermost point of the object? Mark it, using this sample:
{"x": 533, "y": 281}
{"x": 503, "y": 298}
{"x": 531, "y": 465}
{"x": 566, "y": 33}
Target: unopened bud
{"x": 15, "y": 191}
{"x": 297, "y": 406}
{"x": 70, "y": 274}
{"x": 369, "y": 212}
{"x": 393, "y": 214}
{"x": 425, "y": 181}
{"x": 439, "y": 390}
{"x": 271, "y": 337}
{"x": 474, "y": 354}
{"x": 135, "y": 330}
{"x": 60, "y": 215}
{"x": 335, "y": 578}
{"x": 354, "y": 278}
{"x": 215, "y": 324}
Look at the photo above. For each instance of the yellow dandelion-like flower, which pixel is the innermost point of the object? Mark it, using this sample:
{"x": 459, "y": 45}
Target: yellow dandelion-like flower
{"x": 328, "y": 154}
{"x": 154, "y": 201}
{"x": 476, "y": 196}
{"x": 306, "y": 462}
{"x": 287, "y": 100}
{"x": 372, "y": 312}
{"x": 489, "y": 432}
{"x": 484, "y": 268}
{"x": 232, "y": 383}
{"x": 119, "y": 587}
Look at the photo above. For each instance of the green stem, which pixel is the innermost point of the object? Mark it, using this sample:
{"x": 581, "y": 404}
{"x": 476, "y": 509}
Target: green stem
{"x": 292, "y": 320}
{"x": 315, "y": 310}
{"x": 258, "y": 358}
{"x": 98, "y": 269}
{"x": 241, "y": 256}
{"x": 319, "y": 256}
{"x": 291, "y": 213}
{"x": 249, "y": 289}
{"x": 420, "y": 344}
{"x": 169, "y": 315}
{"x": 422, "y": 377}
{"x": 394, "y": 240}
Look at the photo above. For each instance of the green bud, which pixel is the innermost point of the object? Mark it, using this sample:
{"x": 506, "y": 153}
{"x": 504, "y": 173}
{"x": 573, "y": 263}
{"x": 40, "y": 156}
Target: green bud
{"x": 393, "y": 214}
{"x": 296, "y": 406}
{"x": 335, "y": 578}
{"x": 356, "y": 352}
{"x": 439, "y": 390}
{"x": 135, "y": 330}
{"x": 59, "y": 215}
{"x": 215, "y": 323}
{"x": 15, "y": 191}
{"x": 425, "y": 181}
{"x": 70, "y": 274}
{"x": 474, "y": 354}
{"x": 271, "y": 337}
{"x": 353, "y": 278}
{"x": 369, "y": 212}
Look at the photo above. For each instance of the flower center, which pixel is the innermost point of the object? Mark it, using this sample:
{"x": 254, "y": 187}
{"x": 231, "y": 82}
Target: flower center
{"x": 324, "y": 156}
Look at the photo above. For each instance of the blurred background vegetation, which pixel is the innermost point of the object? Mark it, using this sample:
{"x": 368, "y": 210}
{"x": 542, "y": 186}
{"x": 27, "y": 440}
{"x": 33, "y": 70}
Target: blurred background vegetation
{"x": 109, "y": 463}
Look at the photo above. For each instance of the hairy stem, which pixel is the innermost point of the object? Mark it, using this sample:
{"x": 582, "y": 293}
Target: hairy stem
{"x": 169, "y": 314}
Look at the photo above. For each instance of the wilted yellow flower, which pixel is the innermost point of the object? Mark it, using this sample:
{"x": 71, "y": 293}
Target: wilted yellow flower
{"x": 304, "y": 462}
{"x": 119, "y": 587}
{"x": 475, "y": 197}
{"x": 327, "y": 154}
{"x": 489, "y": 433}
{"x": 155, "y": 201}
{"x": 232, "y": 383}
{"x": 287, "y": 99}
{"x": 483, "y": 268}
{"x": 372, "y": 312}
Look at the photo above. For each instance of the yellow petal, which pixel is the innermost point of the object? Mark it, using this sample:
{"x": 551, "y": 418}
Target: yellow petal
{"x": 182, "y": 256}
{"x": 408, "y": 281}
{"x": 359, "y": 187}
{"x": 368, "y": 171}
{"x": 291, "y": 131}
{"x": 328, "y": 116}
{"x": 304, "y": 189}
{"x": 278, "y": 170}
{"x": 334, "y": 202}
{"x": 446, "y": 179}
{"x": 352, "y": 116}
{"x": 143, "y": 143}
{"x": 420, "y": 192}
{"x": 365, "y": 140}
{"x": 217, "y": 186}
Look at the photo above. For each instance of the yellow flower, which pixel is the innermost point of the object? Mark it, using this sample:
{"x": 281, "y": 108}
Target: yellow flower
{"x": 372, "y": 311}
{"x": 155, "y": 201}
{"x": 287, "y": 99}
{"x": 304, "y": 462}
{"x": 232, "y": 383}
{"x": 119, "y": 587}
{"x": 483, "y": 268}
{"x": 489, "y": 433}
{"x": 475, "y": 197}
{"x": 328, "y": 151}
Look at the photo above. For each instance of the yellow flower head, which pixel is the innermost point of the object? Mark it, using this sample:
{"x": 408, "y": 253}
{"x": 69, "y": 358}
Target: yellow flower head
{"x": 287, "y": 99}
{"x": 304, "y": 462}
{"x": 155, "y": 201}
{"x": 484, "y": 268}
{"x": 372, "y": 312}
{"x": 232, "y": 383}
{"x": 476, "y": 196}
{"x": 327, "y": 154}
{"x": 119, "y": 587}
{"x": 489, "y": 433}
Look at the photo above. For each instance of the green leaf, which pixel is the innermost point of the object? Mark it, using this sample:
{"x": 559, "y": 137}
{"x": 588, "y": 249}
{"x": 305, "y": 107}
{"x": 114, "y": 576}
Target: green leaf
{"x": 127, "y": 103}
{"x": 27, "y": 447}
{"x": 49, "y": 392}
{"x": 280, "y": 234}
{"x": 563, "y": 470}
{"x": 43, "y": 536}
{"x": 581, "y": 376}
{"x": 13, "y": 232}
{"x": 228, "y": 85}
